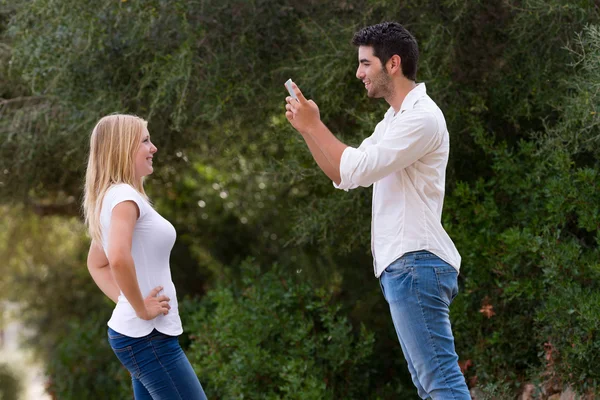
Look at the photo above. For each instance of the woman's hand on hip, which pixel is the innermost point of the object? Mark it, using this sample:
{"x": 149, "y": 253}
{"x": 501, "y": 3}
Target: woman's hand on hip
{"x": 155, "y": 304}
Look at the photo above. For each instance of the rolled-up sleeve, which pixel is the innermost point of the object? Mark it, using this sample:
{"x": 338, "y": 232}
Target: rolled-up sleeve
{"x": 365, "y": 143}
{"x": 412, "y": 136}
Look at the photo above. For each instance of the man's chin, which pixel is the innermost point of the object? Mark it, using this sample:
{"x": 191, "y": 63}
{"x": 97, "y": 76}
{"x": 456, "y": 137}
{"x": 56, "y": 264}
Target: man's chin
{"x": 373, "y": 95}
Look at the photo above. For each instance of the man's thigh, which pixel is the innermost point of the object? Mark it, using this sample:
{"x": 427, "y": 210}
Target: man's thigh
{"x": 419, "y": 290}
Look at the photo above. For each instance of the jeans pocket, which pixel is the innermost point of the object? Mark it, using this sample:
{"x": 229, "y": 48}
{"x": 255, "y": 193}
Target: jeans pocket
{"x": 125, "y": 355}
{"x": 399, "y": 266}
{"x": 397, "y": 279}
{"x": 447, "y": 280}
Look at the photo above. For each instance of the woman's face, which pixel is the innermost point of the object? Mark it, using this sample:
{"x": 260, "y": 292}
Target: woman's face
{"x": 143, "y": 157}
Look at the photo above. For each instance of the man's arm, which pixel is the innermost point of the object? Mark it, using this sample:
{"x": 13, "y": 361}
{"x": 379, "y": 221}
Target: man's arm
{"x": 325, "y": 148}
{"x": 327, "y": 151}
{"x": 401, "y": 147}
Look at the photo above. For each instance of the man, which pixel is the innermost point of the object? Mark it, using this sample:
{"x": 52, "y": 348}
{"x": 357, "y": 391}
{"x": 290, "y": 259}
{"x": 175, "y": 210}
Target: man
{"x": 405, "y": 160}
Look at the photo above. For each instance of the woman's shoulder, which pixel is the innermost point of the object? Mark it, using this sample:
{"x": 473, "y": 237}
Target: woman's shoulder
{"x": 119, "y": 192}
{"x": 122, "y": 188}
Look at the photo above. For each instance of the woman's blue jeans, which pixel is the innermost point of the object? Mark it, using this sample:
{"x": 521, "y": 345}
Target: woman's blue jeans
{"x": 159, "y": 369}
{"x": 419, "y": 288}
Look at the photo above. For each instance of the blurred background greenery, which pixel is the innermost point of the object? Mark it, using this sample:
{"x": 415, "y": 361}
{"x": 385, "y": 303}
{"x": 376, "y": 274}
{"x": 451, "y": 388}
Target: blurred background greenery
{"x": 273, "y": 264}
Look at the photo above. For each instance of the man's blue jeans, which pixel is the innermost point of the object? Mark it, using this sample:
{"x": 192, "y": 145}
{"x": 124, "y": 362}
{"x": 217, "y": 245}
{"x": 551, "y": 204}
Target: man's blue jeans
{"x": 419, "y": 288}
{"x": 159, "y": 369}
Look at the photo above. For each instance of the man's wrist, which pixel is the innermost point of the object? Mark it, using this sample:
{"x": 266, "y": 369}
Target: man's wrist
{"x": 313, "y": 129}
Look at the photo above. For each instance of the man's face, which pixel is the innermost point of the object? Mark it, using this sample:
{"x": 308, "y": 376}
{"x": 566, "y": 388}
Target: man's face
{"x": 373, "y": 74}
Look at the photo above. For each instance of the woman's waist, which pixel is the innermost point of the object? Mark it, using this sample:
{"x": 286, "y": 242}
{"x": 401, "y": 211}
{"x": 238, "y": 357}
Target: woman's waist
{"x": 168, "y": 289}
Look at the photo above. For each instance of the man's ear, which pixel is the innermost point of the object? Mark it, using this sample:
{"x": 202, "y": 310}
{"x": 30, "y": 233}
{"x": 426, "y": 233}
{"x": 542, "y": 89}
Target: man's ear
{"x": 394, "y": 64}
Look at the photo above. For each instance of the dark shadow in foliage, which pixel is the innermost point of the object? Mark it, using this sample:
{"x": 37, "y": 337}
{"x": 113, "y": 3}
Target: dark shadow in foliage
{"x": 11, "y": 385}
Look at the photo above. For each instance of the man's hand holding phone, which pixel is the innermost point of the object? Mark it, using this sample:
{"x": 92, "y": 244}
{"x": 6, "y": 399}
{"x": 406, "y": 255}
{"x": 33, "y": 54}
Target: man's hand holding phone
{"x": 290, "y": 89}
{"x": 301, "y": 113}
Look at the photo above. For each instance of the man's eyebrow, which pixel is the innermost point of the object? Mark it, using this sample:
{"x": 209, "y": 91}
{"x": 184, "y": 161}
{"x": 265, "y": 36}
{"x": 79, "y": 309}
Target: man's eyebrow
{"x": 364, "y": 60}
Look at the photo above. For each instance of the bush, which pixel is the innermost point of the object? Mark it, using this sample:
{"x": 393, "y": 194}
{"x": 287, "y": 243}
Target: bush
{"x": 83, "y": 366}
{"x": 274, "y": 337}
{"x": 531, "y": 236}
{"x": 570, "y": 322}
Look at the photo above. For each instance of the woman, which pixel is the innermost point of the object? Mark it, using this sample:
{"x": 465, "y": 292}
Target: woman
{"x": 129, "y": 261}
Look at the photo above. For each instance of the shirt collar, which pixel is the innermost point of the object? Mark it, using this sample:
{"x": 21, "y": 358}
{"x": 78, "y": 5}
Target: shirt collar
{"x": 411, "y": 98}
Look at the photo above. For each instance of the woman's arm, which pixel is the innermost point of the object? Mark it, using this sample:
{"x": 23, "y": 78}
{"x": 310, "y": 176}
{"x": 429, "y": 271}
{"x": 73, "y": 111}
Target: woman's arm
{"x": 100, "y": 271}
{"x": 122, "y": 223}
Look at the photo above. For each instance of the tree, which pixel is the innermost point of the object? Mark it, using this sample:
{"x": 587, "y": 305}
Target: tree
{"x": 515, "y": 80}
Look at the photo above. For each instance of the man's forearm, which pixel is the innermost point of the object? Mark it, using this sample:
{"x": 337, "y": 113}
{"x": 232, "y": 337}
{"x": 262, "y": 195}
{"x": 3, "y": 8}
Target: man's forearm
{"x": 326, "y": 149}
{"x": 321, "y": 159}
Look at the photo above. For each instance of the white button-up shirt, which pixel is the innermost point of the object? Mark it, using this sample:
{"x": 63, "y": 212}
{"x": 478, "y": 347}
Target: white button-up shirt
{"x": 405, "y": 160}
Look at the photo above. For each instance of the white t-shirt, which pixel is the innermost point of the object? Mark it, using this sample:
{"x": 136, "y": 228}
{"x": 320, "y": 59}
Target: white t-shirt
{"x": 153, "y": 239}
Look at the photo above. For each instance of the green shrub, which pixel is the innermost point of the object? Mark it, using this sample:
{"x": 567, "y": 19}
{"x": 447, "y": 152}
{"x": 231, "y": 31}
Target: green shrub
{"x": 570, "y": 322}
{"x": 274, "y": 337}
{"x": 531, "y": 238}
{"x": 83, "y": 366}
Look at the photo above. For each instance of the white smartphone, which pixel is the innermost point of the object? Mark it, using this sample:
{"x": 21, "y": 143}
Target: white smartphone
{"x": 288, "y": 85}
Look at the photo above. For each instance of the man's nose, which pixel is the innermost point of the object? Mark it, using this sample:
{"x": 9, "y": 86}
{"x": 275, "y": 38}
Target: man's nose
{"x": 359, "y": 73}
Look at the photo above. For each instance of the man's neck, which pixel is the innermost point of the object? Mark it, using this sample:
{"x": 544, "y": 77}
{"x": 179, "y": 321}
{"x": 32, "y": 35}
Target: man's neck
{"x": 401, "y": 88}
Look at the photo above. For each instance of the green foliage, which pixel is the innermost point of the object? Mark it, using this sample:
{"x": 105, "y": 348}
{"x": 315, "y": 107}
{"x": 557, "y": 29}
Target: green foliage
{"x": 83, "y": 366}
{"x": 496, "y": 391}
{"x": 58, "y": 299}
{"x": 570, "y": 323}
{"x": 46, "y": 283}
{"x": 517, "y": 81}
{"x": 275, "y": 337}
{"x": 10, "y": 383}
{"x": 533, "y": 235}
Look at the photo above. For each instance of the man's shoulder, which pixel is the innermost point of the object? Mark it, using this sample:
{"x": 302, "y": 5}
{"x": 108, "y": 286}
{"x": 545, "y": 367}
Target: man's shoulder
{"x": 426, "y": 103}
{"x": 428, "y": 110}
{"x": 423, "y": 111}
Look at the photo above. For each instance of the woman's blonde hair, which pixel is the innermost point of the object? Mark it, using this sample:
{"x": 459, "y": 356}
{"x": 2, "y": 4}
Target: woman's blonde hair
{"x": 113, "y": 145}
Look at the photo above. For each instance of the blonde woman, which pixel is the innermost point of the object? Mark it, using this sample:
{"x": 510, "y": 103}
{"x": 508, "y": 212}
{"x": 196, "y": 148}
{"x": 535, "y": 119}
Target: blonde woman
{"x": 129, "y": 261}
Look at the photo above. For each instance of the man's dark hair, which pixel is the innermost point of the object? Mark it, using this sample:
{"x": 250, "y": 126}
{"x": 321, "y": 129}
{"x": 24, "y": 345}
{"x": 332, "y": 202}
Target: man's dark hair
{"x": 387, "y": 39}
